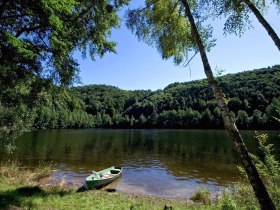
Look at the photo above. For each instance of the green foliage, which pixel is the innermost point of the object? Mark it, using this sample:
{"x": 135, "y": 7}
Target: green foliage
{"x": 201, "y": 196}
{"x": 189, "y": 105}
{"x": 57, "y": 108}
{"x": 253, "y": 102}
{"x": 272, "y": 111}
{"x": 267, "y": 165}
{"x": 266, "y": 162}
{"x": 242, "y": 119}
{"x": 237, "y": 13}
{"x": 149, "y": 25}
{"x": 39, "y": 37}
{"x": 14, "y": 121}
{"x": 227, "y": 203}
{"x": 240, "y": 196}
{"x": 219, "y": 71}
{"x": 163, "y": 24}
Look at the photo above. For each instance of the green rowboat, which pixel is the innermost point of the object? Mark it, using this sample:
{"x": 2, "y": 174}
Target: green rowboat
{"x": 100, "y": 178}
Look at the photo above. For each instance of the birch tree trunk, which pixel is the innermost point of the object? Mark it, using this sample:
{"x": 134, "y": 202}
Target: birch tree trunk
{"x": 250, "y": 168}
{"x": 264, "y": 23}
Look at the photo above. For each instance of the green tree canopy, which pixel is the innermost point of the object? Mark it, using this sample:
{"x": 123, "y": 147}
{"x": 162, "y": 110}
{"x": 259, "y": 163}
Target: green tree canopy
{"x": 40, "y": 36}
{"x": 163, "y": 25}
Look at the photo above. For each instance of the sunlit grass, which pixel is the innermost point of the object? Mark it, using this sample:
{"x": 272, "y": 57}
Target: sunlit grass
{"x": 22, "y": 188}
{"x": 16, "y": 173}
{"x": 27, "y": 189}
{"x": 39, "y": 198}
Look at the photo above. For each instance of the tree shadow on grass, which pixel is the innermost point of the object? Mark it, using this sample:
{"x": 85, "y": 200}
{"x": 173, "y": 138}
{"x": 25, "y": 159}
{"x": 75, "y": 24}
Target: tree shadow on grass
{"x": 15, "y": 198}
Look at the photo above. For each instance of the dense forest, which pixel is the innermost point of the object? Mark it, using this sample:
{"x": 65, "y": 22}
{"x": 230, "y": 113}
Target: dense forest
{"x": 253, "y": 98}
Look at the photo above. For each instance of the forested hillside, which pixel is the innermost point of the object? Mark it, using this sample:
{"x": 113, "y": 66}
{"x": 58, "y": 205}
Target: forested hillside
{"x": 253, "y": 98}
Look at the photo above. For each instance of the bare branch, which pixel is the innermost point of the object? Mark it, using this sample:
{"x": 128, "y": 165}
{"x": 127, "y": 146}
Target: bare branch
{"x": 190, "y": 59}
{"x": 42, "y": 39}
{"x": 25, "y": 29}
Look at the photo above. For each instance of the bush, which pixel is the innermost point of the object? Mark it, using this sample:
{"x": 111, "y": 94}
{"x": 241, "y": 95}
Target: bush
{"x": 227, "y": 202}
{"x": 269, "y": 169}
{"x": 201, "y": 196}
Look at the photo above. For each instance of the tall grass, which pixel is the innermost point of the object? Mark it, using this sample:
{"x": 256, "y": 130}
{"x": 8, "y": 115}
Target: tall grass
{"x": 15, "y": 173}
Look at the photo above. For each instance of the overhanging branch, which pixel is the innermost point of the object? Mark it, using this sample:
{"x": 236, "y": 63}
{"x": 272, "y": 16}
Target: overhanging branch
{"x": 25, "y": 29}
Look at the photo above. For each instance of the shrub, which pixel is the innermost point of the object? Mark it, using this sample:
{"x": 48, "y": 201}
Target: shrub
{"x": 227, "y": 203}
{"x": 201, "y": 196}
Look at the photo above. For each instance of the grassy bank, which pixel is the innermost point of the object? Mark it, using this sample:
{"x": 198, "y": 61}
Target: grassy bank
{"x": 21, "y": 188}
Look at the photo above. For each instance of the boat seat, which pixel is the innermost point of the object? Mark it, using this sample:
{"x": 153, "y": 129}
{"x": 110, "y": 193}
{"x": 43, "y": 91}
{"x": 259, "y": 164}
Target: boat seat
{"x": 106, "y": 176}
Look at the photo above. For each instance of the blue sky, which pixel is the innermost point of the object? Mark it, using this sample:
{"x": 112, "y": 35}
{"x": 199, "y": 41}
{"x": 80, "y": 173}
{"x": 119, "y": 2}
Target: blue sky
{"x": 139, "y": 66}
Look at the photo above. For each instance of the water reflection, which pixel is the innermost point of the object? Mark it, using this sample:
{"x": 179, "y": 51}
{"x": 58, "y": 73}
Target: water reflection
{"x": 158, "y": 162}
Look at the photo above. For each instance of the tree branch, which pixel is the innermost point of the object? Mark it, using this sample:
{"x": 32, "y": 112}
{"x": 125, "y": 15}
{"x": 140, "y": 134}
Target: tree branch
{"x": 42, "y": 39}
{"x": 25, "y": 29}
{"x": 83, "y": 13}
{"x": 188, "y": 62}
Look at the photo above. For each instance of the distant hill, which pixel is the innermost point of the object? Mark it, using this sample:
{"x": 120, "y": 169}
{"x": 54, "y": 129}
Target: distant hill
{"x": 252, "y": 96}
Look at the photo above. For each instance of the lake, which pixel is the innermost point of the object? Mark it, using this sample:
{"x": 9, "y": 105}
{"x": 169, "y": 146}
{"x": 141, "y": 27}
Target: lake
{"x": 169, "y": 163}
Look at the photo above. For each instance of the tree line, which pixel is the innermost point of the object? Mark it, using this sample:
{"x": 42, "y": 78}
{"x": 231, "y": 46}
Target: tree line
{"x": 252, "y": 97}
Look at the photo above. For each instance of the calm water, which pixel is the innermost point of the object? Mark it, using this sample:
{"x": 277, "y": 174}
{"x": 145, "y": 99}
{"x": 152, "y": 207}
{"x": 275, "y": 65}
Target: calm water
{"x": 169, "y": 163}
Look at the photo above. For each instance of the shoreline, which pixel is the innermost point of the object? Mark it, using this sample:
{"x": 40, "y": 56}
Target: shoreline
{"x": 120, "y": 186}
{"x": 22, "y": 188}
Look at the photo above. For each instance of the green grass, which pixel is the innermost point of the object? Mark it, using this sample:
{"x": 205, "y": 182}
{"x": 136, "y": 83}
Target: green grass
{"x": 34, "y": 197}
{"x": 21, "y": 188}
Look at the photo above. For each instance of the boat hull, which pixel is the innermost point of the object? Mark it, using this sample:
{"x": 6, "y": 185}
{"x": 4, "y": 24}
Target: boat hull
{"x": 104, "y": 177}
